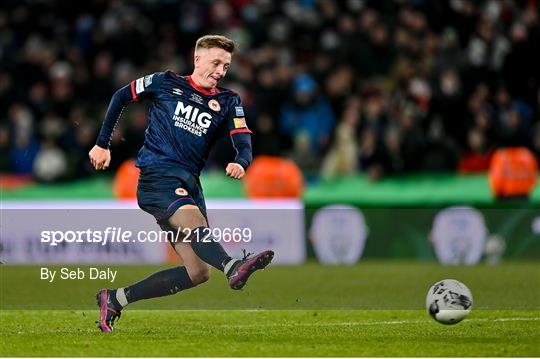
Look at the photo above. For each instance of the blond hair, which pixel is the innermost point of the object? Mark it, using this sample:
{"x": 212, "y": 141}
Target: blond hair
{"x": 210, "y": 41}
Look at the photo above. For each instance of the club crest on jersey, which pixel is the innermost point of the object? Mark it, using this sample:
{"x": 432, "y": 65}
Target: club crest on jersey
{"x": 214, "y": 105}
{"x": 180, "y": 192}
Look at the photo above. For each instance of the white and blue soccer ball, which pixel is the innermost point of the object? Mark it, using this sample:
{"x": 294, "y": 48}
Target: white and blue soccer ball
{"x": 449, "y": 301}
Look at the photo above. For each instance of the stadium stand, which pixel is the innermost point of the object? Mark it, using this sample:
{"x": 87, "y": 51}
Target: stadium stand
{"x": 373, "y": 87}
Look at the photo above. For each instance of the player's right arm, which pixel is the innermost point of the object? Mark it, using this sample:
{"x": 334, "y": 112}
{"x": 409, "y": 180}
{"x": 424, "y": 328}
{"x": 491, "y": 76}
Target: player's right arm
{"x": 144, "y": 87}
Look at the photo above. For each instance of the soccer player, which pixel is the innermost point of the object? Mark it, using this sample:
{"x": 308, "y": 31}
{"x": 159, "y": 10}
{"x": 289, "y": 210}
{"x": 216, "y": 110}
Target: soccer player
{"x": 187, "y": 116}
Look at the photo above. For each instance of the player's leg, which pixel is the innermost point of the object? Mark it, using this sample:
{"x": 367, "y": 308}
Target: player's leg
{"x": 166, "y": 282}
{"x": 190, "y": 218}
{"x": 157, "y": 194}
{"x": 198, "y": 271}
{"x": 210, "y": 250}
{"x": 170, "y": 281}
{"x": 178, "y": 210}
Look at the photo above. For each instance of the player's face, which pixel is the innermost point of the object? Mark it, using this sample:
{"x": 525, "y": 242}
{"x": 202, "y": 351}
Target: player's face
{"x": 211, "y": 65}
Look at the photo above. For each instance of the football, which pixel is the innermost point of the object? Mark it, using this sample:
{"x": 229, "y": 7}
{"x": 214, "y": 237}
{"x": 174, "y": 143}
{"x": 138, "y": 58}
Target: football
{"x": 449, "y": 301}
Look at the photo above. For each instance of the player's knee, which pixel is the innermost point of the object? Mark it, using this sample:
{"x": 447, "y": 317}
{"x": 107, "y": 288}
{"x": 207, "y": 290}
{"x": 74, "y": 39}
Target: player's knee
{"x": 188, "y": 216}
{"x": 200, "y": 275}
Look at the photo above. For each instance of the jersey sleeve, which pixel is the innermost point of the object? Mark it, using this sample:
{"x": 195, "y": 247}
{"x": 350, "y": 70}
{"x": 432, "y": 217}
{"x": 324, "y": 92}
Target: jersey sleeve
{"x": 236, "y": 120}
{"x": 239, "y": 132}
{"x": 146, "y": 87}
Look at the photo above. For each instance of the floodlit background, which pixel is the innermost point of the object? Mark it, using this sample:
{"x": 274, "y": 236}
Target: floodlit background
{"x": 396, "y": 144}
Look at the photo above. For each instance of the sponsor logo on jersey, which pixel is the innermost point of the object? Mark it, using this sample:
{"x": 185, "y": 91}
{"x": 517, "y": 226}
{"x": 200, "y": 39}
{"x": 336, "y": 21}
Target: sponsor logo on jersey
{"x": 148, "y": 80}
{"x": 239, "y": 122}
{"x": 139, "y": 86}
{"x": 181, "y": 192}
{"x": 214, "y": 105}
{"x": 177, "y": 92}
{"x": 196, "y": 98}
{"x": 191, "y": 119}
{"x": 239, "y": 111}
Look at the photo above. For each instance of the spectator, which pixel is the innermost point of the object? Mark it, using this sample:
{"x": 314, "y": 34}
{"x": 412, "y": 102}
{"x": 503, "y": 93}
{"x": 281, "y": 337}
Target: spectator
{"x": 520, "y": 71}
{"x": 23, "y": 152}
{"x": 342, "y": 159}
{"x": 308, "y": 115}
{"x": 4, "y": 150}
{"x": 436, "y": 78}
{"x": 50, "y": 163}
{"x": 477, "y": 158}
{"x": 448, "y": 106}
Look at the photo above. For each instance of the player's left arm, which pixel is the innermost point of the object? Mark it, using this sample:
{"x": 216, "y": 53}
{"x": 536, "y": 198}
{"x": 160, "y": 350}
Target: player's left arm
{"x": 241, "y": 139}
{"x": 244, "y": 156}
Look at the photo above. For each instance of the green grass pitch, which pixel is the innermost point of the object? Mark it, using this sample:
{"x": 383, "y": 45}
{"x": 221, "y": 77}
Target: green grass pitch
{"x": 372, "y": 309}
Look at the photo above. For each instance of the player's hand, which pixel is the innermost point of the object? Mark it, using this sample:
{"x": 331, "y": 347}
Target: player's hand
{"x": 100, "y": 157}
{"x": 235, "y": 171}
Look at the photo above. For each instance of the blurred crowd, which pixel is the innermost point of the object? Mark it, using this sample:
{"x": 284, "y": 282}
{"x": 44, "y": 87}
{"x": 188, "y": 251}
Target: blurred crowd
{"x": 341, "y": 87}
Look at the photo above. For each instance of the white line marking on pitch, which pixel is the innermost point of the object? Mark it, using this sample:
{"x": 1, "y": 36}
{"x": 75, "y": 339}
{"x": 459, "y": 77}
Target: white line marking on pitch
{"x": 383, "y": 322}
